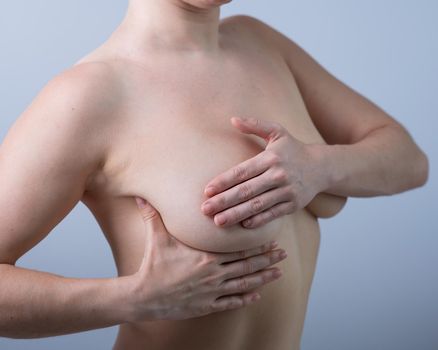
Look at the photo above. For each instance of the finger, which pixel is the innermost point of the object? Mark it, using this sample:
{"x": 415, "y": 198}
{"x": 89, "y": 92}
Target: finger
{"x": 234, "y": 302}
{"x": 151, "y": 217}
{"x": 270, "y": 131}
{"x": 243, "y": 254}
{"x": 239, "y": 173}
{"x": 251, "y": 207}
{"x": 250, "y": 282}
{"x": 270, "y": 214}
{"x": 244, "y": 191}
{"x": 253, "y": 264}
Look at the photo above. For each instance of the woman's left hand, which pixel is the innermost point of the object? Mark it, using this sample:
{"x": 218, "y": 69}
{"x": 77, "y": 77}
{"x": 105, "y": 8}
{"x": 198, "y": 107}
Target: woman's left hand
{"x": 283, "y": 178}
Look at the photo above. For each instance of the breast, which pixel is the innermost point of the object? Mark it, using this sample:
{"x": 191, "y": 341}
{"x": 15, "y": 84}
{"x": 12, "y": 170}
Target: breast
{"x": 171, "y": 141}
{"x": 170, "y": 167}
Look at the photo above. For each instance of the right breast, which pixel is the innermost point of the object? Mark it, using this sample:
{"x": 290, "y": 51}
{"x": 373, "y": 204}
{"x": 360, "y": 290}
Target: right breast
{"x": 172, "y": 174}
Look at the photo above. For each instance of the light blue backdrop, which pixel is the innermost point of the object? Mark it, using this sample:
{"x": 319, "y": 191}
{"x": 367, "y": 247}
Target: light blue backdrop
{"x": 376, "y": 281}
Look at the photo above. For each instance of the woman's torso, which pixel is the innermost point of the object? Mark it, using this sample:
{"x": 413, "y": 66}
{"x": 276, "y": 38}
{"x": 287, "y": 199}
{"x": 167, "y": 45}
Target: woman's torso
{"x": 171, "y": 136}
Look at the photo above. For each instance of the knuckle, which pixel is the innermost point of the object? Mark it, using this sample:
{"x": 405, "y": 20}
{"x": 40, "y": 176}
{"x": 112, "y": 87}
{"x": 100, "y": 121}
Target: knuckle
{"x": 242, "y": 285}
{"x": 239, "y": 173}
{"x": 208, "y": 259}
{"x": 211, "y": 281}
{"x": 273, "y": 213}
{"x": 230, "y": 304}
{"x": 235, "y": 303}
{"x": 221, "y": 201}
{"x": 253, "y": 121}
{"x": 280, "y": 176}
{"x": 256, "y": 205}
{"x": 247, "y": 267}
{"x": 273, "y": 257}
{"x": 244, "y": 192}
{"x": 241, "y": 254}
{"x": 274, "y": 159}
{"x": 149, "y": 215}
{"x": 290, "y": 192}
{"x": 266, "y": 276}
{"x": 266, "y": 247}
{"x": 235, "y": 214}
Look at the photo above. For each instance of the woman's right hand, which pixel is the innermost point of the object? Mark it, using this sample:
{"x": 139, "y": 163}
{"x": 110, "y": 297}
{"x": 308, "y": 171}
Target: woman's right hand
{"x": 176, "y": 282}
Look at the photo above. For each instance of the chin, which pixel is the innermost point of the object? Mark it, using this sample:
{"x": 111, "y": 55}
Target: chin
{"x": 205, "y": 4}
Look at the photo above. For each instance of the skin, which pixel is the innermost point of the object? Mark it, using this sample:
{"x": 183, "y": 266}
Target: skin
{"x": 174, "y": 264}
{"x": 297, "y": 170}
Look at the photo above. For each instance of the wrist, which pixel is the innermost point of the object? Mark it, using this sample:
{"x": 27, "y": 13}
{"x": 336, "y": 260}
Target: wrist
{"x": 139, "y": 300}
{"x": 125, "y": 297}
{"x": 326, "y": 168}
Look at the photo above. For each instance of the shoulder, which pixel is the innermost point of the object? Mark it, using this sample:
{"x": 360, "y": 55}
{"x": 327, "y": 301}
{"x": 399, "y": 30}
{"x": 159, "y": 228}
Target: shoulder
{"x": 66, "y": 122}
{"x": 267, "y": 36}
{"x": 85, "y": 88}
{"x": 245, "y": 21}
{"x": 78, "y": 101}
{"x": 256, "y": 28}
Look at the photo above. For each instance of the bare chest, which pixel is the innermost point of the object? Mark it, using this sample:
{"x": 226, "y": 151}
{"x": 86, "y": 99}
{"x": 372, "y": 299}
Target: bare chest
{"x": 175, "y": 135}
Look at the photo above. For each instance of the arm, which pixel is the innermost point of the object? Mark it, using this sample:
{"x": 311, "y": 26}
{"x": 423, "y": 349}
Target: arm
{"x": 46, "y": 160}
{"x": 369, "y": 153}
{"x": 37, "y": 304}
{"x": 385, "y": 162}
{"x": 46, "y": 163}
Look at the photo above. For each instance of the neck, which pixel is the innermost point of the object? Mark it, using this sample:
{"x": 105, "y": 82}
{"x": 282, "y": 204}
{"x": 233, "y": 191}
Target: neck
{"x": 170, "y": 25}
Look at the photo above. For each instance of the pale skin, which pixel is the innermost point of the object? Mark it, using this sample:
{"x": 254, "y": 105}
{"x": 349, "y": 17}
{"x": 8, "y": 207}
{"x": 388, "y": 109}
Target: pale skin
{"x": 367, "y": 154}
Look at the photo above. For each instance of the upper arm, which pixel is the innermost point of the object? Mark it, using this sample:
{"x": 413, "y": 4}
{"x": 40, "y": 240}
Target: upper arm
{"x": 341, "y": 115}
{"x": 46, "y": 159}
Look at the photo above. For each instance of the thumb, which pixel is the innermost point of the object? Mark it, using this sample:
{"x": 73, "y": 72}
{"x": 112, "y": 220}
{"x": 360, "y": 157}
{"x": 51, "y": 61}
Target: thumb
{"x": 270, "y": 131}
{"x": 150, "y": 215}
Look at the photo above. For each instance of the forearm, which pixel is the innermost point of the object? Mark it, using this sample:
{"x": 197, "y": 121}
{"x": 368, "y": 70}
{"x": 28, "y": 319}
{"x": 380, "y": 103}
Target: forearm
{"x": 37, "y": 304}
{"x": 385, "y": 162}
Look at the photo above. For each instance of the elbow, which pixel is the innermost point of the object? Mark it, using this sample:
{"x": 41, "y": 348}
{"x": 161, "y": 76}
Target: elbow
{"x": 421, "y": 170}
{"x": 416, "y": 174}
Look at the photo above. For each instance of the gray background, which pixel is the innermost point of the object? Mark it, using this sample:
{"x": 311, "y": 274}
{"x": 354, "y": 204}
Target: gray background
{"x": 376, "y": 282}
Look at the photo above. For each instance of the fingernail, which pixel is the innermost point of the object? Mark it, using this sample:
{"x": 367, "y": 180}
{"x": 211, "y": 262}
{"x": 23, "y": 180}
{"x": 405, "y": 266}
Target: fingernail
{"x": 274, "y": 244}
{"x": 220, "y": 219}
{"x": 277, "y": 273}
{"x": 140, "y": 202}
{"x": 209, "y": 191}
{"x": 207, "y": 208}
{"x": 255, "y": 297}
{"x": 247, "y": 222}
{"x": 283, "y": 254}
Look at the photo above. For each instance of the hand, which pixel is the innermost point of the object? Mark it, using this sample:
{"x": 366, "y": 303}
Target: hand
{"x": 176, "y": 282}
{"x": 278, "y": 181}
